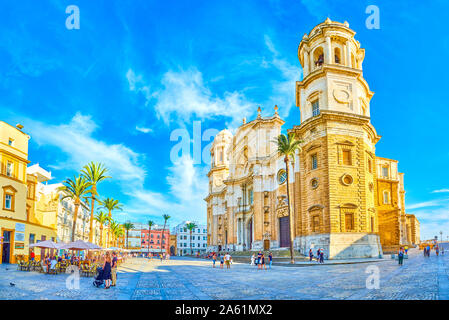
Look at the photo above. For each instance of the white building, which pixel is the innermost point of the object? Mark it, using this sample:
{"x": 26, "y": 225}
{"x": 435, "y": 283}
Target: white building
{"x": 185, "y": 245}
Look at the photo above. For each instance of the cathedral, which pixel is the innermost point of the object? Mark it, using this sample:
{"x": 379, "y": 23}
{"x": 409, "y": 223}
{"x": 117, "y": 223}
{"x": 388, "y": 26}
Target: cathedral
{"x": 343, "y": 197}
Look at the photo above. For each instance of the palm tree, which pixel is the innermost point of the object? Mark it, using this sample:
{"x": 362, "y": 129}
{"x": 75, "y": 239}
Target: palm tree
{"x": 101, "y": 218}
{"x": 166, "y": 217}
{"x": 75, "y": 189}
{"x": 94, "y": 173}
{"x": 150, "y": 224}
{"x": 190, "y": 226}
{"x": 287, "y": 146}
{"x": 127, "y": 226}
{"x": 118, "y": 232}
{"x": 110, "y": 204}
{"x": 113, "y": 225}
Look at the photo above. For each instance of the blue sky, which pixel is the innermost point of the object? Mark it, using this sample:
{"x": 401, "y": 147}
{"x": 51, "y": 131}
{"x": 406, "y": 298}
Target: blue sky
{"x": 117, "y": 88}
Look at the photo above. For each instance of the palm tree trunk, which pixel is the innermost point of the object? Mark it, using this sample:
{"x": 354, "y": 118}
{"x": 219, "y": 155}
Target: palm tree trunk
{"x": 127, "y": 242}
{"x": 162, "y": 238}
{"x": 191, "y": 250}
{"x": 92, "y": 204}
{"x": 292, "y": 259}
{"x": 75, "y": 216}
{"x": 149, "y": 240}
{"x": 107, "y": 239}
{"x": 101, "y": 235}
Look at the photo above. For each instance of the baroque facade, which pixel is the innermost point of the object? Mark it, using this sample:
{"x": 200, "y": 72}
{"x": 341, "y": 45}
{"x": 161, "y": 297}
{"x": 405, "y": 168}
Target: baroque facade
{"x": 342, "y": 197}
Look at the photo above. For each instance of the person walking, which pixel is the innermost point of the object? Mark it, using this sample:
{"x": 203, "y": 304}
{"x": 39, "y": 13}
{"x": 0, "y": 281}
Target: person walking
{"x": 107, "y": 271}
{"x": 263, "y": 262}
{"x": 221, "y": 262}
{"x": 318, "y": 255}
{"x": 310, "y": 255}
{"x": 437, "y": 250}
{"x": 214, "y": 259}
{"x": 32, "y": 256}
{"x": 428, "y": 250}
{"x": 114, "y": 269}
{"x": 259, "y": 258}
{"x": 270, "y": 259}
{"x": 253, "y": 257}
{"x": 401, "y": 256}
{"x": 406, "y": 249}
{"x": 322, "y": 256}
{"x": 227, "y": 259}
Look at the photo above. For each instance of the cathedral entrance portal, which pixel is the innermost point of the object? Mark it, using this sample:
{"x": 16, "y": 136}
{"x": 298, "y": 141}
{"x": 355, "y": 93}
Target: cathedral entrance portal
{"x": 284, "y": 232}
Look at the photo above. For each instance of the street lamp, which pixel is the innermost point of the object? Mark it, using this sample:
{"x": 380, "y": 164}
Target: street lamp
{"x": 441, "y": 236}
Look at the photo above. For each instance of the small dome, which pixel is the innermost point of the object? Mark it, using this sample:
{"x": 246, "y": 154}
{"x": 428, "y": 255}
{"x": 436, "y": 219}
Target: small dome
{"x": 224, "y": 132}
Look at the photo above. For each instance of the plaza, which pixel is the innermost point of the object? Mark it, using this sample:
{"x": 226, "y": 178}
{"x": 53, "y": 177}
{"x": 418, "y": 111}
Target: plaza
{"x": 183, "y": 278}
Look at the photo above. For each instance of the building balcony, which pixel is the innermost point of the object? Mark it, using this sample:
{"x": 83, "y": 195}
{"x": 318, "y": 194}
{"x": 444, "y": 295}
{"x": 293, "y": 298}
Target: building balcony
{"x": 244, "y": 208}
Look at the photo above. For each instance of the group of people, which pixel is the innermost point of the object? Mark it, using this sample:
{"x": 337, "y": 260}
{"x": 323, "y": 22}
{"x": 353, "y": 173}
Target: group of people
{"x": 319, "y": 255}
{"x": 225, "y": 259}
{"x": 427, "y": 250}
{"x": 260, "y": 260}
{"x": 110, "y": 270}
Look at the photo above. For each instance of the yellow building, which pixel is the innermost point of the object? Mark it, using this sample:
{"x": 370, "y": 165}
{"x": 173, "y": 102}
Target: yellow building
{"x": 336, "y": 179}
{"x": 19, "y": 223}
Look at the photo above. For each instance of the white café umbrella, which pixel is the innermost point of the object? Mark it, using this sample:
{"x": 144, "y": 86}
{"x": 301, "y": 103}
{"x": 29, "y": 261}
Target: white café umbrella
{"x": 47, "y": 244}
{"x": 93, "y": 246}
{"x": 76, "y": 245}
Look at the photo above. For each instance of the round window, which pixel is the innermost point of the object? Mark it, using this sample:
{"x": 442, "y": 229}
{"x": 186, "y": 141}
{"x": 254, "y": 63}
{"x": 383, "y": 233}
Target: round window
{"x": 314, "y": 183}
{"x": 347, "y": 179}
{"x": 282, "y": 176}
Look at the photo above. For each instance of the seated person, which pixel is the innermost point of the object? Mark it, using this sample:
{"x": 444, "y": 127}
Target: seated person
{"x": 53, "y": 263}
{"x": 44, "y": 265}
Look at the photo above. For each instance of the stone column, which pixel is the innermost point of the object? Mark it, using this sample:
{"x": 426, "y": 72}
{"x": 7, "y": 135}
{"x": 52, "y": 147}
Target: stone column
{"x": 348, "y": 54}
{"x": 328, "y": 51}
{"x": 306, "y": 63}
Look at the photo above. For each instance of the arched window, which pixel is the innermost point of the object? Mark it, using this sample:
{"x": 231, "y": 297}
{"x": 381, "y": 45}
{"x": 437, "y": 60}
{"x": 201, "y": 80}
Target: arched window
{"x": 318, "y": 57}
{"x": 337, "y": 55}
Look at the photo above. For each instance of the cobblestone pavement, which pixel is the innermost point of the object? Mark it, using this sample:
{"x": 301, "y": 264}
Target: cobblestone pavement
{"x": 186, "y": 278}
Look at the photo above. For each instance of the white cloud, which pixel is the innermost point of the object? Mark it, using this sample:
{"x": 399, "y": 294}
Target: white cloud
{"x": 77, "y": 140}
{"x": 440, "y": 191}
{"x": 184, "y": 95}
{"x": 433, "y": 220}
{"x": 137, "y": 84}
{"x": 426, "y": 204}
{"x": 144, "y": 130}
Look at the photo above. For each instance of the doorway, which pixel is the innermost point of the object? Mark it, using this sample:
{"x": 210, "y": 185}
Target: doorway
{"x": 266, "y": 245}
{"x": 284, "y": 232}
{"x": 6, "y": 247}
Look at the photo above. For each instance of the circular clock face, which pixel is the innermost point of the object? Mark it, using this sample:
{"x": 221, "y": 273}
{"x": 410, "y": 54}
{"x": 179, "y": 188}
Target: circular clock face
{"x": 282, "y": 176}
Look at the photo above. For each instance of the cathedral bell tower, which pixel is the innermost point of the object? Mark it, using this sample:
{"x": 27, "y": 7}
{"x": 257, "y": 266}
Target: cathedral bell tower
{"x": 335, "y": 208}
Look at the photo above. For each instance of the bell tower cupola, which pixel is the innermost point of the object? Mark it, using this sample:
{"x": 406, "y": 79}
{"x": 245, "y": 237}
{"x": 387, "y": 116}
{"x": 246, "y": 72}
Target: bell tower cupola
{"x": 332, "y": 72}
